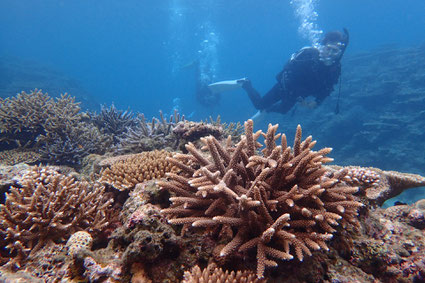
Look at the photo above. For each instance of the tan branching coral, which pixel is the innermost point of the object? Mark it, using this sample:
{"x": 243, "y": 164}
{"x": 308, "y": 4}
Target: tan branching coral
{"x": 234, "y": 130}
{"x": 132, "y": 169}
{"x": 281, "y": 202}
{"x": 216, "y": 275}
{"x": 49, "y": 206}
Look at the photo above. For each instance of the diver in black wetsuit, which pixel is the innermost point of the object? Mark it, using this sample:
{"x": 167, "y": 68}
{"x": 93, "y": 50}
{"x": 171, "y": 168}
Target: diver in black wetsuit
{"x": 312, "y": 71}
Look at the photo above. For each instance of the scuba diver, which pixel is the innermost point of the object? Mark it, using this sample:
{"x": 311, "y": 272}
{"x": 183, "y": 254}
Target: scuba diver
{"x": 312, "y": 71}
{"x": 203, "y": 93}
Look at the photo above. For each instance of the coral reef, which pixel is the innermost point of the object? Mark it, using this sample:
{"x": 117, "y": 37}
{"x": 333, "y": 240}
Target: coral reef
{"x": 80, "y": 240}
{"x": 19, "y": 155}
{"x": 192, "y": 131}
{"x": 54, "y": 127}
{"x": 281, "y": 202}
{"x": 70, "y": 144}
{"x": 22, "y": 117}
{"x": 147, "y": 136}
{"x": 213, "y": 274}
{"x": 379, "y": 185}
{"x": 114, "y": 122}
{"x": 234, "y": 130}
{"x": 129, "y": 170}
{"x": 49, "y": 206}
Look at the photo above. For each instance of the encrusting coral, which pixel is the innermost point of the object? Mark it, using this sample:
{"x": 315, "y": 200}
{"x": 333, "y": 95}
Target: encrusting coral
{"x": 132, "y": 169}
{"x": 80, "y": 240}
{"x": 216, "y": 275}
{"x": 282, "y": 202}
{"x": 49, "y": 206}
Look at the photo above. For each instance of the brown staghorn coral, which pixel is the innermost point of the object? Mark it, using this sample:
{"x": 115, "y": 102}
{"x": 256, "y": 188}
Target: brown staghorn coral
{"x": 27, "y": 116}
{"x": 234, "y": 130}
{"x": 216, "y": 275}
{"x": 49, "y": 206}
{"x": 22, "y": 117}
{"x": 282, "y": 202}
{"x": 132, "y": 169}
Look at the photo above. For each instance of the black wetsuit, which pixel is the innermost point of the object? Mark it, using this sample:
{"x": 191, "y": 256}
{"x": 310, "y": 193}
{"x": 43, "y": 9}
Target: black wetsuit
{"x": 303, "y": 75}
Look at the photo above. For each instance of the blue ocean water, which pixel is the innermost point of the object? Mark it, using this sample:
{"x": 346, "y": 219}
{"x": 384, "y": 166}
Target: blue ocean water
{"x": 133, "y": 53}
{"x": 141, "y": 54}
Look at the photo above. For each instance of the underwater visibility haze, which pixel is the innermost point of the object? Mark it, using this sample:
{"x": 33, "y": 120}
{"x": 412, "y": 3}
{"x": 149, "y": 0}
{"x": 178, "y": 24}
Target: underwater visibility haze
{"x": 165, "y": 141}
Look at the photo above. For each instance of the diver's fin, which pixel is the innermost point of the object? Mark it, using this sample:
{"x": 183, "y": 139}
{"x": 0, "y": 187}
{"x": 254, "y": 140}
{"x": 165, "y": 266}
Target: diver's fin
{"x": 257, "y": 116}
{"x": 223, "y": 86}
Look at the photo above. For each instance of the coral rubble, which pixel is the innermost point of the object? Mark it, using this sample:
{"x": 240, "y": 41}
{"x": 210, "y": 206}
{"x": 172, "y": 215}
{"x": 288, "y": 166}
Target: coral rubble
{"x": 281, "y": 202}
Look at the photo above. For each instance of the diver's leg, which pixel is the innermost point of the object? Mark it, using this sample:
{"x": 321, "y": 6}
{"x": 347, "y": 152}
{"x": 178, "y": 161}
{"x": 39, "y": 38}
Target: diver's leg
{"x": 261, "y": 103}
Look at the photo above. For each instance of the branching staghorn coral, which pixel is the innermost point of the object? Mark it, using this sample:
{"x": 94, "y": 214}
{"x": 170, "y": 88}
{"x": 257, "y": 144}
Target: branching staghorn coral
{"x": 113, "y": 121}
{"x": 70, "y": 144}
{"x": 54, "y": 126}
{"x": 216, "y": 275}
{"x": 49, "y": 206}
{"x": 281, "y": 202}
{"x": 147, "y": 136}
{"x": 22, "y": 117}
{"x": 235, "y": 130}
{"x": 127, "y": 171}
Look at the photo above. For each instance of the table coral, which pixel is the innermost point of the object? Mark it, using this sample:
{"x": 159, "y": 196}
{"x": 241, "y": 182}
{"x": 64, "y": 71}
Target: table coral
{"x": 49, "y": 206}
{"x": 379, "y": 185}
{"x": 126, "y": 172}
{"x": 282, "y": 202}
